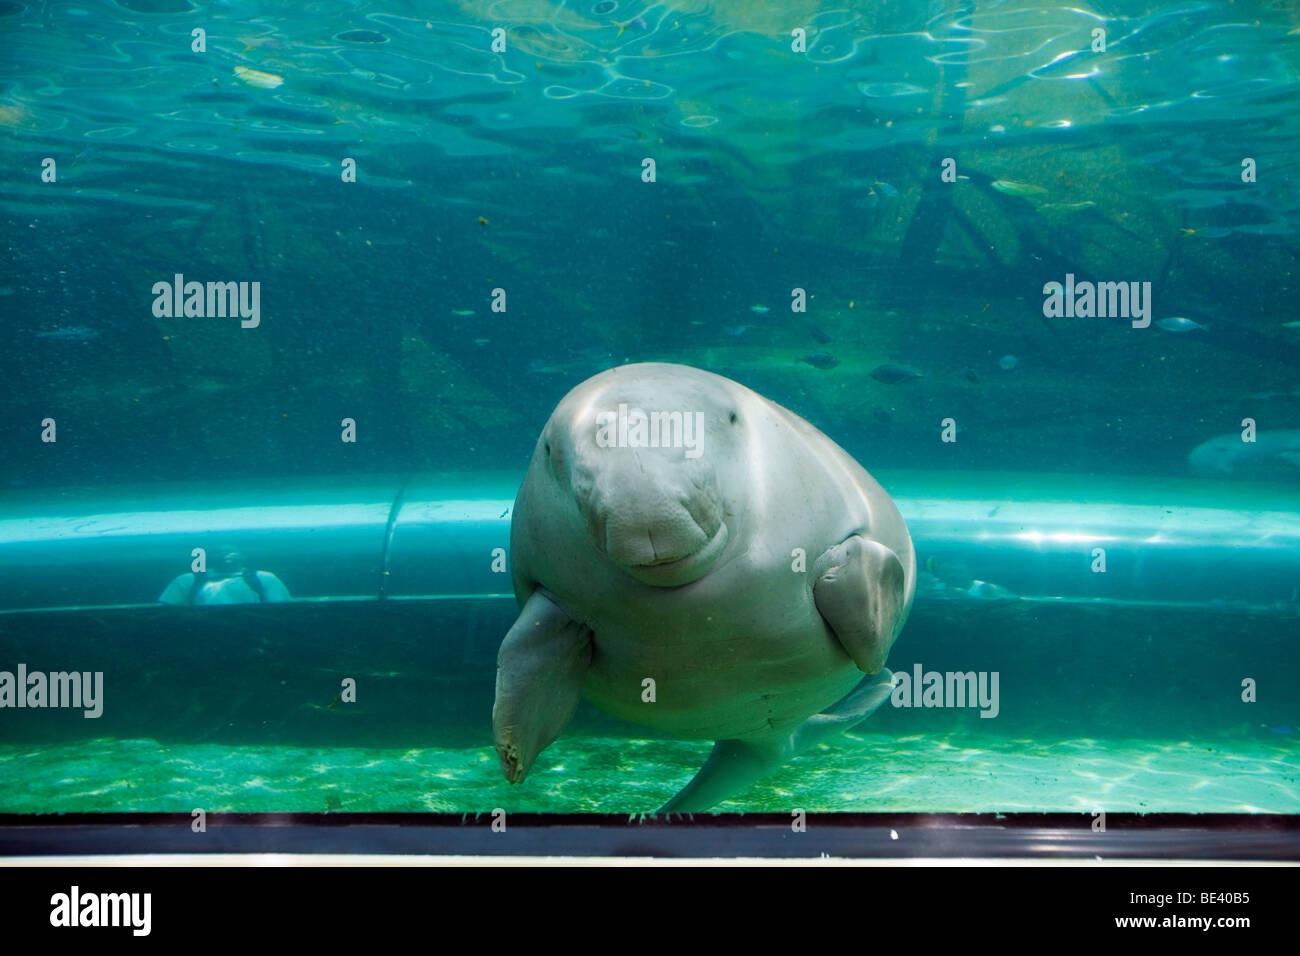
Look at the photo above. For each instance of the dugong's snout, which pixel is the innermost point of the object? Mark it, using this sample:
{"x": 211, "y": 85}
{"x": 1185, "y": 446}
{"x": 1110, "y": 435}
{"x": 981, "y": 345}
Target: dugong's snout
{"x": 659, "y": 520}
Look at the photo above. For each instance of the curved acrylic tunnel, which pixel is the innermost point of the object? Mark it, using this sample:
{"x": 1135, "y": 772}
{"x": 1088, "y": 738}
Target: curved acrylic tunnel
{"x": 1007, "y": 537}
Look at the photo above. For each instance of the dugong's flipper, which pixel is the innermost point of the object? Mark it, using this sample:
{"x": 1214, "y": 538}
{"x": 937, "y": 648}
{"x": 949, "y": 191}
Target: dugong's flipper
{"x": 540, "y": 670}
{"x": 861, "y": 593}
{"x": 846, "y": 713}
{"x": 735, "y": 764}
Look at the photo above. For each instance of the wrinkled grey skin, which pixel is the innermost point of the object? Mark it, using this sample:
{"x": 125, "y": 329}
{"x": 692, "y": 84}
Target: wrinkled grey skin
{"x": 636, "y": 564}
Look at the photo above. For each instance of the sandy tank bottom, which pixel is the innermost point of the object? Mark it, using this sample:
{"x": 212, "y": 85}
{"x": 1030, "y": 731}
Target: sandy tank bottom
{"x": 862, "y": 773}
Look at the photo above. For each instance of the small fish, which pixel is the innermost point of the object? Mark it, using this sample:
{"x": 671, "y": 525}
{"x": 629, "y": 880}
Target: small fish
{"x": 5, "y": 290}
{"x": 971, "y": 375}
{"x": 819, "y": 335}
{"x": 1018, "y": 189}
{"x": 637, "y": 22}
{"x": 70, "y": 333}
{"x": 1281, "y": 729}
{"x": 888, "y": 191}
{"x": 988, "y": 591}
{"x": 482, "y": 341}
{"x": 1008, "y": 362}
{"x": 462, "y": 311}
{"x": 1291, "y": 325}
{"x": 1268, "y": 396}
{"x": 265, "y": 81}
{"x": 891, "y": 374}
{"x": 736, "y": 330}
{"x": 1273, "y": 455}
{"x": 1067, "y": 206}
{"x": 1180, "y": 324}
{"x": 822, "y": 360}
{"x": 759, "y": 309}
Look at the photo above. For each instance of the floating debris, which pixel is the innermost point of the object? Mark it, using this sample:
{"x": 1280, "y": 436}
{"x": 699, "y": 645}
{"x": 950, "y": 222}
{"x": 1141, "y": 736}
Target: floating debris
{"x": 891, "y": 374}
{"x": 822, "y": 360}
{"x": 265, "y": 81}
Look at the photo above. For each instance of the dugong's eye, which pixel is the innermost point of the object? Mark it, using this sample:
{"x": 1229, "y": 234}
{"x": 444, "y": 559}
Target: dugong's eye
{"x": 548, "y": 448}
{"x": 734, "y": 418}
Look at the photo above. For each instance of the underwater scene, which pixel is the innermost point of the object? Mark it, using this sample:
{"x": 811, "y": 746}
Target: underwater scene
{"x": 612, "y": 406}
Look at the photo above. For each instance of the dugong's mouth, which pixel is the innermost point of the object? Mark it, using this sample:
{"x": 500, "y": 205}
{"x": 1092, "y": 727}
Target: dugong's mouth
{"x": 679, "y": 571}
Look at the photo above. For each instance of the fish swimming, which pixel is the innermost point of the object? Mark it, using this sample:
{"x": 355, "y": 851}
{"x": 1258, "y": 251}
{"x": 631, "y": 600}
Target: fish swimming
{"x": 822, "y": 360}
{"x": 1272, "y": 455}
{"x": 891, "y": 374}
{"x": 1180, "y": 324}
{"x": 69, "y": 333}
{"x": 1011, "y": 188}
{"x": 265, "y": 81}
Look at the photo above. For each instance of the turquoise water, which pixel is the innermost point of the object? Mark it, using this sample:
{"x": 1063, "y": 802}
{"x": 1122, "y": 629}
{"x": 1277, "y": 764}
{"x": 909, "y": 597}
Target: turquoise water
{"x": 522, "y": 170}
{"x": 866, "y": 773}
{"x": 860, "y": 222}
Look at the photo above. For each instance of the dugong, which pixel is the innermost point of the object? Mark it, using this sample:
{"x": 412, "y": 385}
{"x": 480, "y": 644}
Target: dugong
{"x": 694, "y": 558}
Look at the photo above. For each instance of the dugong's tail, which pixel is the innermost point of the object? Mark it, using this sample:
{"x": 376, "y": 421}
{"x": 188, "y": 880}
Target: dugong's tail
{"x": 735, "y": 764}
